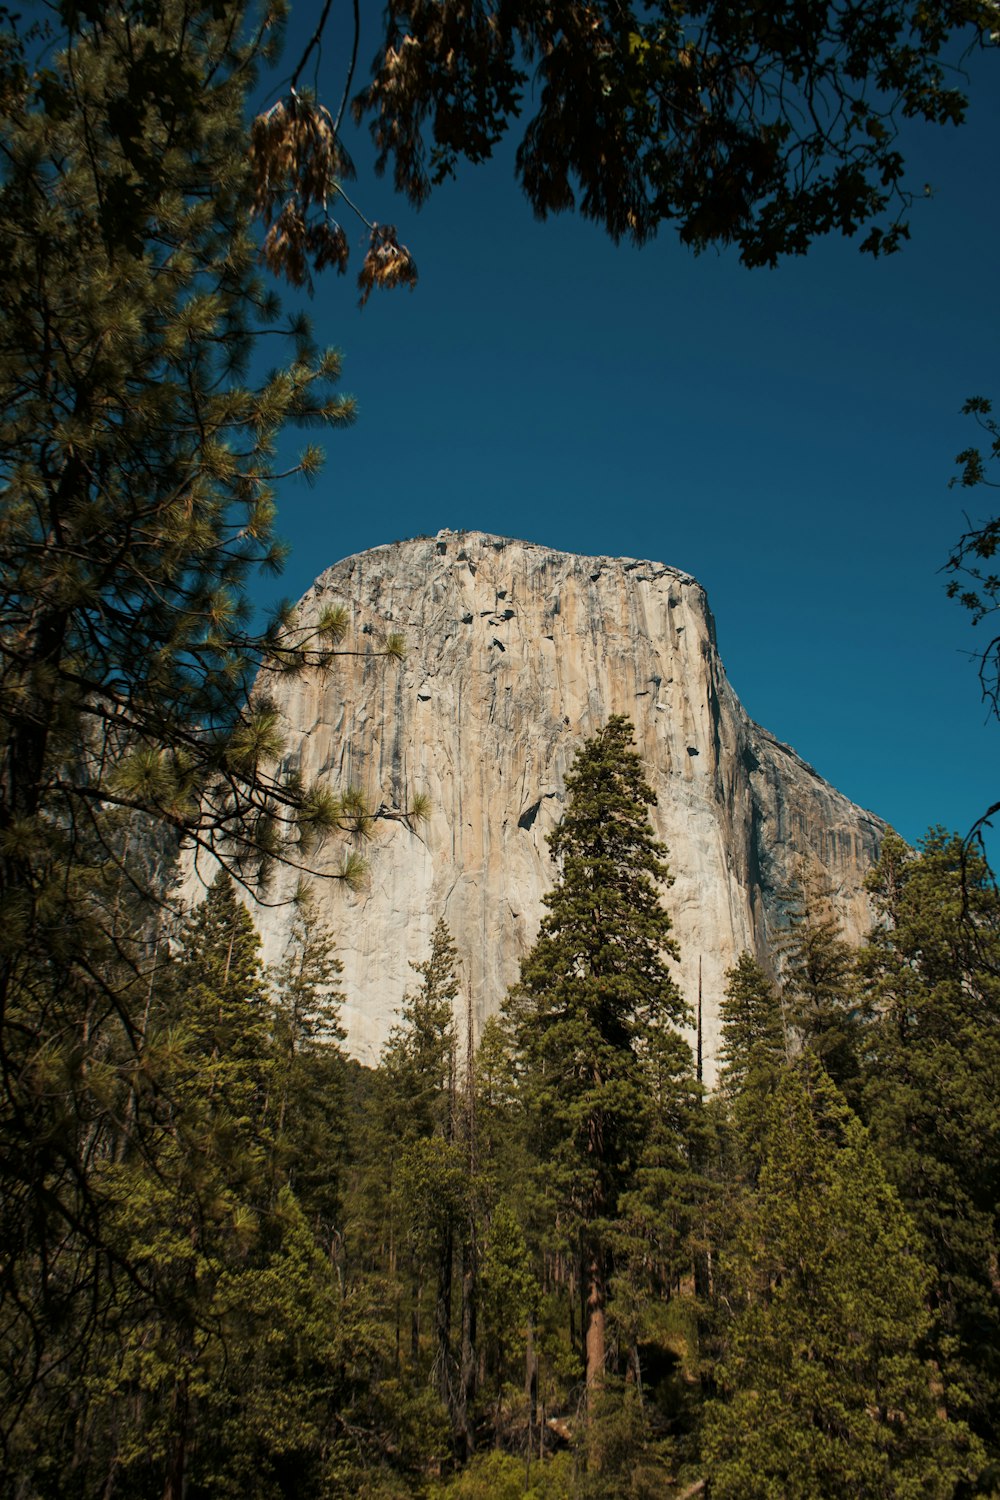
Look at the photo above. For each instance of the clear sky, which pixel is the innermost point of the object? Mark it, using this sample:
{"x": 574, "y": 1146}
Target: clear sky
{"x": 786, "y": 436}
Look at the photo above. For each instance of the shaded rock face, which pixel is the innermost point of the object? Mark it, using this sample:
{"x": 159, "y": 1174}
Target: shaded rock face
{"x": 515, "y": 655}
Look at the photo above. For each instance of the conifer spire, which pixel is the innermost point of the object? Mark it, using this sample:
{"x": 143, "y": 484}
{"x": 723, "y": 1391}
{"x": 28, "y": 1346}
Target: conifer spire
{"x": 593, "y": 990}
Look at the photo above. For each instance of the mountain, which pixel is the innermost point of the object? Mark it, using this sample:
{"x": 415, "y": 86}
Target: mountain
{"x": 515, "y": 655}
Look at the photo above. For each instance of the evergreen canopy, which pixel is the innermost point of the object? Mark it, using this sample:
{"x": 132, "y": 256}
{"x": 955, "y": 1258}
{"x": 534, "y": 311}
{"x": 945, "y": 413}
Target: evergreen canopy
{"x": 137, "y": 473}
{"x": 594, "y": 990}
{"x": 826, "y": 1392}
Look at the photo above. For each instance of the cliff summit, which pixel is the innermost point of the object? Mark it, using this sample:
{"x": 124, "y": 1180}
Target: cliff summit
{"x": 516, "y": 654}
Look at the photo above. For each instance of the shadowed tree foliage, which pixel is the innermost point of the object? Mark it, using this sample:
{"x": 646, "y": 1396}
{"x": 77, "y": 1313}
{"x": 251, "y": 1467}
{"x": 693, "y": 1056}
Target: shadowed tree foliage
{"x": 758, "y": 127}
{"x": 752, "y": 1052}
{"x": 413, "y": 1189}
{"x": 137, "y": 481}
{"x": 819, "y": 995}
{"x": 976, "y": 586}
{"x": 594, "y": 989}
{"x": 137, "y": 463}
{"x": 932, "y": 1093}
{"x": 310, "y": 1083}
{"x": 189, "y": 1204}
{"x": 974, "y": 580}
{"x": 825, "y": 1391}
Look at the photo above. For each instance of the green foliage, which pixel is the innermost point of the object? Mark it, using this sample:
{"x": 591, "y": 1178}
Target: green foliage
{"x": 750, "y": 1014}
{"x": 932, "y": 1069}
{"x": 136, "y": 464}
{"x": 299, "y": 1235}
{"x": 824, "y": 1390}
{"x": 500, "y": 1476}
{"x": 220, "y": 1003}
{"x": 279, "y": 1315}
{"x": 419, "y": 1057}
{"x": 137, "y": 480}
{"x": 751, "y": 1055}
{"x": 309, "y": 1083}
{"x": 593, "y": 1015}
{"x": 817, "y": 980}
{"x": 410, "y": 1192}
{"x": 192, "y": 1396}
{"x": 624, "y": 1460}
{"x": 657, "y": 1222}
{"x": 595, "y": 984}
{"x": 508, "y": 1291}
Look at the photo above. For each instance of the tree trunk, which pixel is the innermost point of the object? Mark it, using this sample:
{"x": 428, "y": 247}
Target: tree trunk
{"x": 466, "y": 1394}
{"x": 594, "y": 1330}
{"x": 415, "y": 1317}
{"x": 572, "y": 1313}
{"x": 175, "y": 1480}
{"x": 467, "y": 1375}
{"x": 531, "y": 1381}
{"x": 442, "y": 1315}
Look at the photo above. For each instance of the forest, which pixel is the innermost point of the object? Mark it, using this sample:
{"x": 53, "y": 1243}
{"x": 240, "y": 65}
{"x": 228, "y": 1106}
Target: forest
{"x": 549, "y": 1262}
{"x": 541, "y": 1259}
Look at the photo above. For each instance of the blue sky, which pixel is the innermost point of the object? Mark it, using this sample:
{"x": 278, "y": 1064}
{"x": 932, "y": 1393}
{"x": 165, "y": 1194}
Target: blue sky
{"x": 786, "y": 436}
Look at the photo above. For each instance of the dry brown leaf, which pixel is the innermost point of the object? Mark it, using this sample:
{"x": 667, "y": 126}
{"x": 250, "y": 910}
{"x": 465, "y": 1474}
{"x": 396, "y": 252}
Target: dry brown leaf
{"x": 387, "y": 263}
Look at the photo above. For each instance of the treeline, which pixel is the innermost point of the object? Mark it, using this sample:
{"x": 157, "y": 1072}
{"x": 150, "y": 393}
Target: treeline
{"x": 550, "y": 1264}
{"x": 231, "y": 1261}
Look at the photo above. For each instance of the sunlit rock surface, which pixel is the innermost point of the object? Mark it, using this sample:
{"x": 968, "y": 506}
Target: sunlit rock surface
{"x": 515, "y": 655}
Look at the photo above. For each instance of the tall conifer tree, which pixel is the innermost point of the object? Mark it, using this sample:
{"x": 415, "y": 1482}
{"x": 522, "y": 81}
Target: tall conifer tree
{"x": 309, "y": 1067}
{"x": 751, "y": 1054}
{"x": 419, "y": 1057}
{"x": 594, "y": 987}
{"x": 137, "y": 478}
{"x": 931, "y": 972}
{"x": 818, "y": 986}
{"x": 825, "y": 1389}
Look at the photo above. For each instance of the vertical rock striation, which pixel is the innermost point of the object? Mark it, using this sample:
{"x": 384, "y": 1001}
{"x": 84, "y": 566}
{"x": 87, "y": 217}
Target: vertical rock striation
{"x": 515, "y": 655}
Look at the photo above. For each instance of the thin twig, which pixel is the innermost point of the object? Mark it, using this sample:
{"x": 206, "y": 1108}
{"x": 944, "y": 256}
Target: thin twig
{"x": 350, "y": 71}
{"x": 354, "y": 206}
{"x": 314, "y": 41}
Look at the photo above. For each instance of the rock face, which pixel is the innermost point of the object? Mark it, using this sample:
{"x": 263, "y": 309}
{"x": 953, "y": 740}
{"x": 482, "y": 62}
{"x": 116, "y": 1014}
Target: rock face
{"x": 515, "y": 655}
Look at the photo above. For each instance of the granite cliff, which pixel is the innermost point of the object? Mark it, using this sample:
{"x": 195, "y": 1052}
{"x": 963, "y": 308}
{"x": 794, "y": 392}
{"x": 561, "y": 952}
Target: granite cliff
{"x": 515, "y": 655}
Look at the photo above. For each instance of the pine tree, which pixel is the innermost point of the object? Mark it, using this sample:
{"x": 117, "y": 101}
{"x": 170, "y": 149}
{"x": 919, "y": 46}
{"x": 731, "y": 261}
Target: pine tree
{"x": 137, "y": 465}
{"x": 751, "y": 1054}
{"x": 817, "y": 981}
{"x": 414, "y": 1182}
{"x": 424, "y": 1069}
{"x": 309, "y": 1066}
{"x": 419, "y": 1057}
{"x": 655, "y": 1241}
{"x": 183, "y": 1201}
{"x": 509, "y": 1294}
{"x": 594, "y": 988}
{"x": 137, "y": 477}
{"x": 931, "y": 975}
{"x": 280, "y": 1372}
{"x": 750, "y": 1015}
{"x": 220, "y": 1000}
{"x": 825, "y": 1391}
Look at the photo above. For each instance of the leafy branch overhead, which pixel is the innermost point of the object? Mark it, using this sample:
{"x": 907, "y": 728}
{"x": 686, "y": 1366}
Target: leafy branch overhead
{"x": 762, "y": 127}
{"x": 975, "y": 585}
{"x": 975, "y": 582}
{"x": 298, "y": 164}
{"x": 137, "y": 463}
{"x": 139, "y": 441}
{"x": 758, "y": 127}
